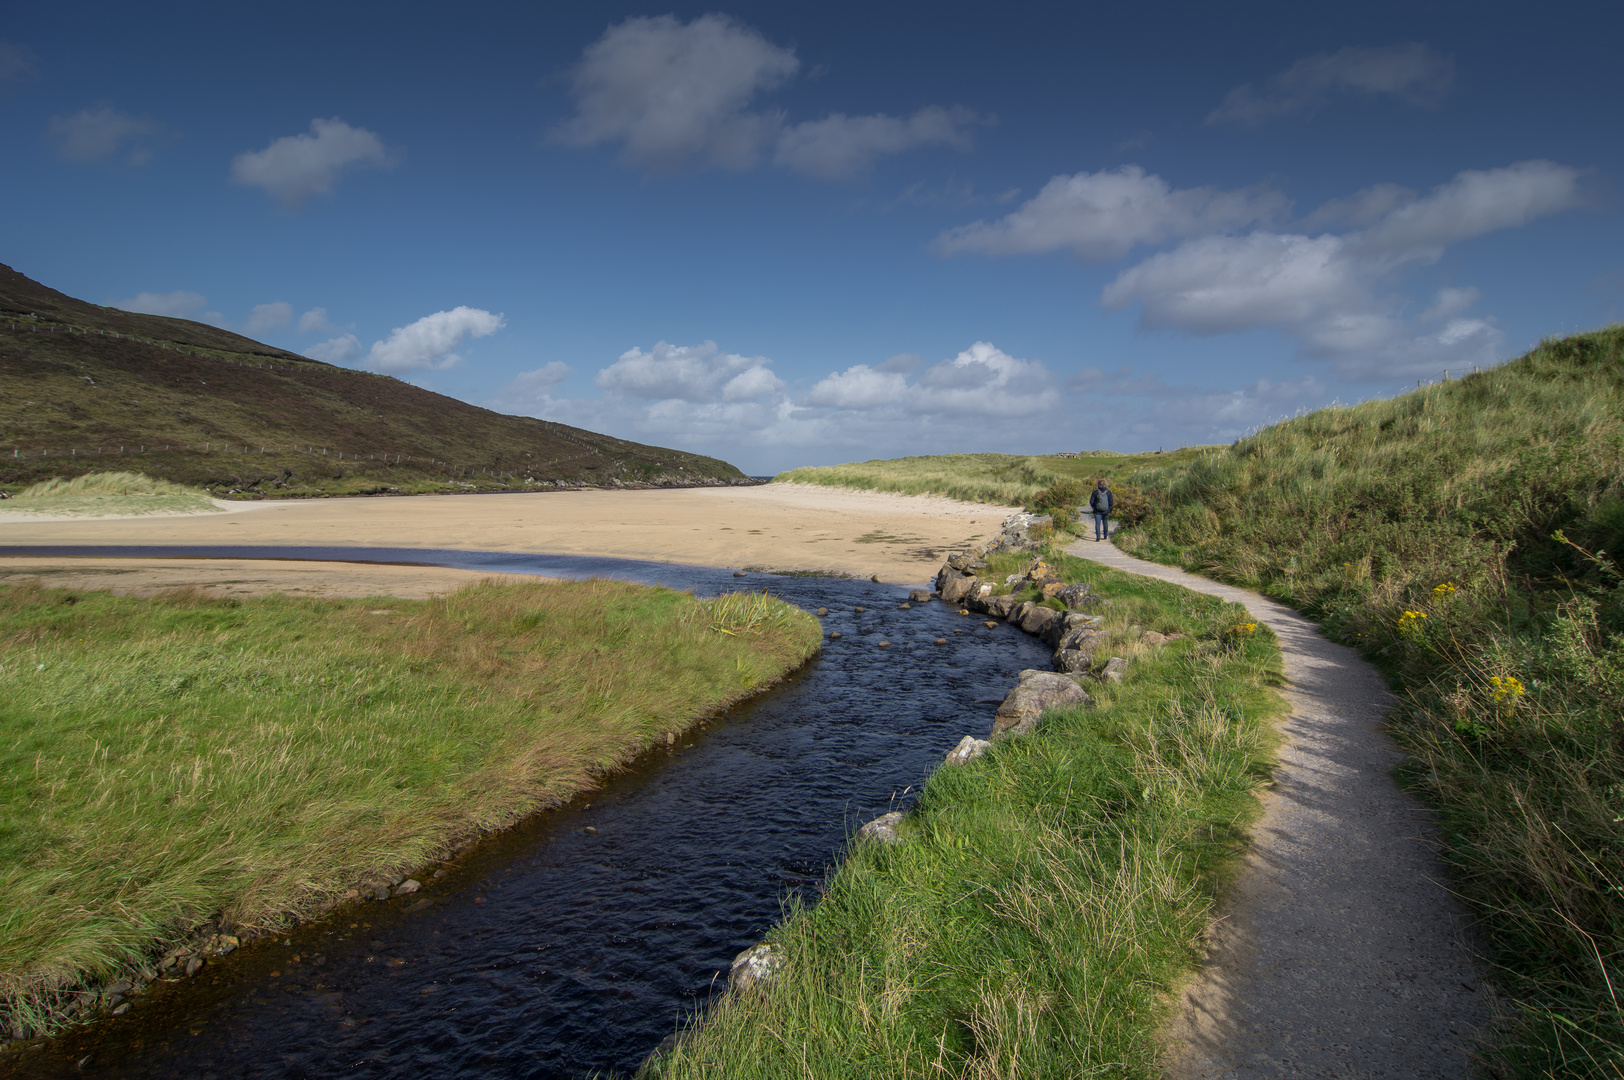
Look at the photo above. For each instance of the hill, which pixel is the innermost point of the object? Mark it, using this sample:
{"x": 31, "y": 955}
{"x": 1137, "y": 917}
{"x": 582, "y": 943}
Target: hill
{"x": 1467, "y": 537}
{"x": 85, "y": 388}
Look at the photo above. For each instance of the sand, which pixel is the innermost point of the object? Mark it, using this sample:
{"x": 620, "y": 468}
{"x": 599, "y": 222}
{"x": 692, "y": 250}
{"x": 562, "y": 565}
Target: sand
{"x": 784, "y": 527}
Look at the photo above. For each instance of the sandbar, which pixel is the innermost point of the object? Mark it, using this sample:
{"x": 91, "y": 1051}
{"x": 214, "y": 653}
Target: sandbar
{"x": 773, "y": 527}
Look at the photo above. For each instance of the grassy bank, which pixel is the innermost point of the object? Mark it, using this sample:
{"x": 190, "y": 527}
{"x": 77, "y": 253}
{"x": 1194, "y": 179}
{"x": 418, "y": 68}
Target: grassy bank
{"x": 121, "y": 494}
{"x": 1006, "y": 479}
{"x": 169, "y": 763}
{"x": 1466, "y": 536}
{"x": 1044, "y": 898}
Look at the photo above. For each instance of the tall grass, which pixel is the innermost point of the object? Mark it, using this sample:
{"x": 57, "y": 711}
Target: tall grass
{"x": 1461, "y": 535}
{"x": 173, "y": 762}
{"x": 118, "y": 494}
{"x": 104, "y": 483}
{"x": 1044, "y": 898}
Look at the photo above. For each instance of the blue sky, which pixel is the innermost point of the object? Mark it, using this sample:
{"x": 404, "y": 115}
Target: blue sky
{"x": 837, "y": 232}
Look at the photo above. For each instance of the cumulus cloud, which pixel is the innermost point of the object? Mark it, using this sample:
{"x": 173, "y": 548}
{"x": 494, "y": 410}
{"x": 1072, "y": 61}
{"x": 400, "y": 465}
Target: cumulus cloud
{"x": 339, "y": 350}
{"x": 178, "y": 304}
{"x": 1325, "y": 291}
{"x": 672, "y": 94}
{"x": 1103, "y": 215}
{"x": 101, "y": 132}
{"x": 688, "y": 373}
{"x": 266, "y": 317}
{"x": 295, "y": 167}
{"x": 839, "y": 147}
{"x": 531, "y": 392}
{"x": 677, "y": 96}
{"x": 430, "y": 343}
{"x": 1410, "y": 72}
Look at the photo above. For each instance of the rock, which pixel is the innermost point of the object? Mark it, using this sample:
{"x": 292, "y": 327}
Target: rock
{"x": 168, "y": 962}
{"x": 1020, "y": 532}
{"x": 885, "y": 644}
{"x": 1000, "y": 606}
{"x": 968, "y": 750}
{"x": 1076, "y": 595}
{"x": 965, "y": 564}
{"x": 1038, "y": 618}
{"x": 1036, "y": 692}
{"x": 381, "y": 893}
{"x": 860, "y": 610}
{"x": 956, "y": 588}
{"x": 591, "y": 830}
{"x": 1072, "y": 661}
{"x": 833, "y": 634}
{"x": 882, "y": 830}
{"x": 977, "y": 600}
{"x": 194, "y": 965}
{"x": 875, "y": 579}
{"x": 1083, "y": 638}
{"x": 941, "y": 641}
{"x": 1151, "y": 637}
{"x": 439, "y": 874}
{"x": 1018, "y": 612}
{"x": 739, "y": 573}
{"x": 122, "y": 1009}
{"x": 1114, "y": 669}
{"x": 904, "y": 606}
{"x": 408, "y": 887}
{"x": 990, "y": 625}
{"x": 754, "y": 968}
{"x": 226, "y": 944}
{"x": 919, "y": 596}
{"x": 822, "y": 611}
{"x": 122, "y": 986}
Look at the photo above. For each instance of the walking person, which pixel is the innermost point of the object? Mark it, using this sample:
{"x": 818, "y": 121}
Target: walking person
{"x": 1101, "y": 502}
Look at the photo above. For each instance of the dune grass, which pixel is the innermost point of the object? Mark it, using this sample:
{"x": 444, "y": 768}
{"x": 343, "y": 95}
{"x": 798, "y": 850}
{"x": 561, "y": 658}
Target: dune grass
{"x": 1042, "y": 900}
{"x": 185, "y": 760}
{"x": 1467, "y": 537}
{"x": 1003, "y": 479}
{"x": 121, "y": 494}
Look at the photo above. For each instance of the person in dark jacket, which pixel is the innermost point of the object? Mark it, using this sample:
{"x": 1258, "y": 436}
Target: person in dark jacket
{"x": 1101, "y": 502}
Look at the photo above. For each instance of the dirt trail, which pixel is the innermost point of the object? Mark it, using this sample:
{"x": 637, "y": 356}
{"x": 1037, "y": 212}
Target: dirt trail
{"x": 1338, "y": 952}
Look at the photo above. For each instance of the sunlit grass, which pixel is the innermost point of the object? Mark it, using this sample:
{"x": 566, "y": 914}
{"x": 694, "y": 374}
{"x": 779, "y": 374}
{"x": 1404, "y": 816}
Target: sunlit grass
{"x": 120, "y": 494}
{"x": 171, "y": 761}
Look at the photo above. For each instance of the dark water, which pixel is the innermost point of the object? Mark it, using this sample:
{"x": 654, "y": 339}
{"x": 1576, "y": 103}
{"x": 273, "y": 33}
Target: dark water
{"x": 551, "y": 952}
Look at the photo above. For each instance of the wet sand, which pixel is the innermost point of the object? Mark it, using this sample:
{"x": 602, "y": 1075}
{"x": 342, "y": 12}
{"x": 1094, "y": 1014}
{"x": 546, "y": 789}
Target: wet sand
{"x": 775, "y": 527}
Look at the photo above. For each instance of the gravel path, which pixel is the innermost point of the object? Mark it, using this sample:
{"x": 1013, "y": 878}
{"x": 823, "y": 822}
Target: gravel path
{"x": 1338, "y": 952}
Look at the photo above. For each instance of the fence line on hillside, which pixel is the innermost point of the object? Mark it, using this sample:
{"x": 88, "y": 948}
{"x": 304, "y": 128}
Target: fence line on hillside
{"x": 211, "y": 447}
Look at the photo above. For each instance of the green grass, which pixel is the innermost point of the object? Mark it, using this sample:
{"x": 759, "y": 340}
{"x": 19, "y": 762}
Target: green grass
{"x": 1004, "y": 479}
{"x": 116, "y": 494}
{"x": 171, "y": 763}
{"x": 1454, "y": 503}
{"x": 1044, "y": 899}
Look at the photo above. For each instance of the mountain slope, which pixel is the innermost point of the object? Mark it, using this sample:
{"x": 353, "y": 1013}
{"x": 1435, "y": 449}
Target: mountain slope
{"x": 86, "y": 388}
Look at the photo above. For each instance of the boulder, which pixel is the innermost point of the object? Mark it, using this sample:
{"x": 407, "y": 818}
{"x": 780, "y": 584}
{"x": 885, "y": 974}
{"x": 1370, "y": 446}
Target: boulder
{"x": 968, "y": 750}
{"x": 1037, "y": 619}
{"x": 1000, "y": 606}
{"x": 1083, "y": 638}
{"x": 1072, "y": 661}
{"x": 1018, "y": 612}
{"x": 1151, "y": 637}
{"x": 1020, "y": 532}
{"x": 882, "y": 830}
{"x": 754, "y": 968}
{"x": 1076, "y": 595}
{"x": 1036, "y": 692}
{"x": 919, "y": 596}
{"x": 966, "y": 564}
{"x": 1114, "y": 669}
{"x": 956, "y": 588}
{"x": 978, "y": 596}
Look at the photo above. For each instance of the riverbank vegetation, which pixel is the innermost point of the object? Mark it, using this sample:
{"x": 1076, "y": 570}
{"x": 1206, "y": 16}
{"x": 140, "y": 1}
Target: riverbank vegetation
{"x": 191, "y": 761}
{"x": 1469, "y": 538}
{"x": 1005, "y": 479}
{"x": 122, "y": 494}
{"x": 1044, "y": 899}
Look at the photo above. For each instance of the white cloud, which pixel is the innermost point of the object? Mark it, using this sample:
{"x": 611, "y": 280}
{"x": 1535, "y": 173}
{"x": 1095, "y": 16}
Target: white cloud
{"x": 1412, "y": 72}
{"x": 295, "y": 167}
{"x": 673, "y": 94}
{"x": 839, "y": 147}
{"x": 531, "y": 392}
{"x": 266, "y": 317}
{"x": 178, "y": 304}
{"x": 101, "y": 132}
{"x": 1103, "y": 215}
{"x": 339, "y": 350}
{"x": 315, "y": 321}
{"x": 1473, "y": 203}
{"x": 859, "y": 387}
{"x": 430, "y": 343}
{"x": 686, "y": 372}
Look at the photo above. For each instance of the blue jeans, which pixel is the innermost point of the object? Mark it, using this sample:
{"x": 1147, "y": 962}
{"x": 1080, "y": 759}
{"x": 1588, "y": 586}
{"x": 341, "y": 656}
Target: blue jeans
{"x": 1102, "y": 525}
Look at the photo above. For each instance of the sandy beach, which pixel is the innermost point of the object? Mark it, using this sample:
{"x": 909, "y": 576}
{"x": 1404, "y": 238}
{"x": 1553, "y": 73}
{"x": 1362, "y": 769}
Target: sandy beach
{"x": 783, "y": 527}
